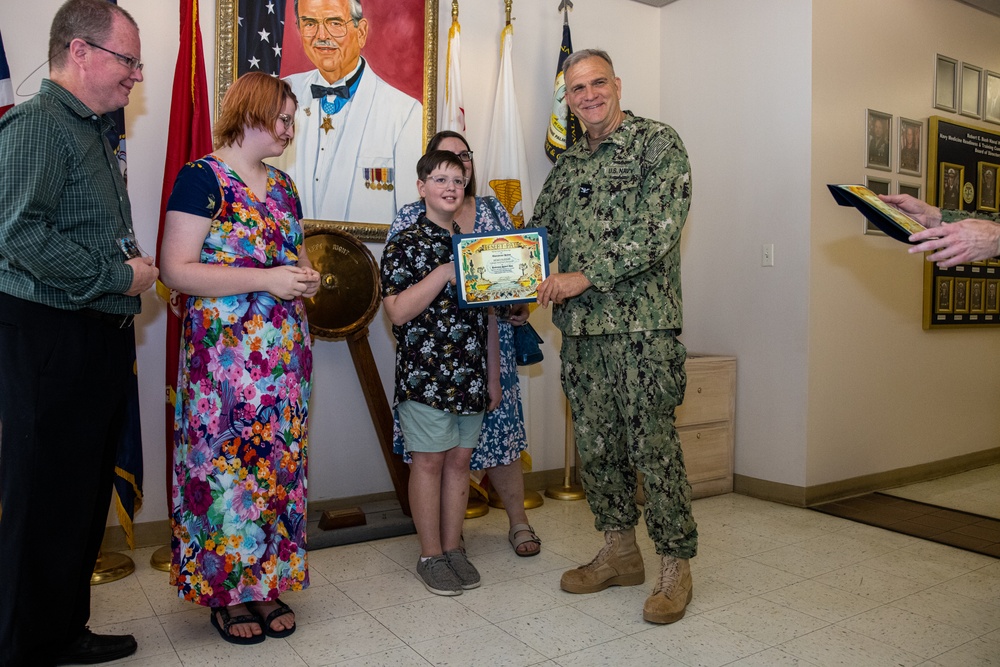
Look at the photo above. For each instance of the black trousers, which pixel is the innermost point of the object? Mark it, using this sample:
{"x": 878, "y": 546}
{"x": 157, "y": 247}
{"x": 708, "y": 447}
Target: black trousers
{"x": 64, "y": 379}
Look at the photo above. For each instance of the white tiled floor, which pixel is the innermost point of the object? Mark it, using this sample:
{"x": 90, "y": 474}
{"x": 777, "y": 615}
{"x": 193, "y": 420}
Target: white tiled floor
{"x": 773, "y": 585}
{"x": 976, "y": 491}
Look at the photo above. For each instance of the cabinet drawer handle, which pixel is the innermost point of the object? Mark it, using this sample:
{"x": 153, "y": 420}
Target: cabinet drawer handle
{"x": 699, "y": 390}
{"x": 698, "y": 435}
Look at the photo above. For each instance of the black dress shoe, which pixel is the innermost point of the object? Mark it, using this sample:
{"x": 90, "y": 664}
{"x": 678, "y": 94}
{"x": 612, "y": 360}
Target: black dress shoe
{"x": 91, "y": 649}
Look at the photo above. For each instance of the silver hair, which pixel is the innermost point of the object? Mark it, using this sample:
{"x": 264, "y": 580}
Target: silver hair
{"x": 356, "y": 13}
{"x": 576, "y": 57}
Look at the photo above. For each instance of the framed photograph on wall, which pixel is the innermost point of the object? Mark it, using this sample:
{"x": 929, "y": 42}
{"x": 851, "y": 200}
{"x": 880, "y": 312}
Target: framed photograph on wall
{"x": 992, "y": 300}
{"x": 911, "y": 147}
{"x": 977, "y": 295}
{"x": 880, "y": 186}
{"x": 364, "y": 118}
{"x": 943, "y": 294}
{"x": 972, "y": 88}
{"x": 945, "y": 83}
{"x": 950, "y": 179}
{"x": 987, "y": 186}
{"x": 912, "y": 189}
{"x": 878, "y": 140}
{"x": 991, "y": 97}
{"x": 960, "y": 304}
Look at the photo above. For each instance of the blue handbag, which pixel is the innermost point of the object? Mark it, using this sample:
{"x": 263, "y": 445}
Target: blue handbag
{"x": 526, "y": 345}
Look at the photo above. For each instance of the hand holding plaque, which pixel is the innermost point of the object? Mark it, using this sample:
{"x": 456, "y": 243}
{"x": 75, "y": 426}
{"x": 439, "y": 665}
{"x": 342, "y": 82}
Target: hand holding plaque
{"x": 494, "y": 269}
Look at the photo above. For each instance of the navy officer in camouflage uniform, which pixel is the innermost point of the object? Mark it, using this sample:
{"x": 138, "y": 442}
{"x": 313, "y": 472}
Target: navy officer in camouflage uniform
{"x": 614, "y": 205}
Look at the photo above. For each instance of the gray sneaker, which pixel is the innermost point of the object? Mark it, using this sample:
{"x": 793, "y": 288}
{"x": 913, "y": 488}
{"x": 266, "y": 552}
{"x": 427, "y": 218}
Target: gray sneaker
{"x": 466, "y": 572}
{"x": 438, "y": 577}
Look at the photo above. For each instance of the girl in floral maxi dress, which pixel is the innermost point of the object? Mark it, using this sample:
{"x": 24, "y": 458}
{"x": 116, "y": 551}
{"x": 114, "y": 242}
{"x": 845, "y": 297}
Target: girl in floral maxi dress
{"x": 233, "y": 241}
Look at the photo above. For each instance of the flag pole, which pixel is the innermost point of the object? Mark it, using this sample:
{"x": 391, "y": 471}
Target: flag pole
{"x": 568, "y": 490}
{"x": 189, "y": 136}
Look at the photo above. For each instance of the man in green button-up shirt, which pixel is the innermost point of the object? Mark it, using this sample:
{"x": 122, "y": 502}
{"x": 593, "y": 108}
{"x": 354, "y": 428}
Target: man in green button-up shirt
{"x": 68, "y": 293}
{"x": 964, "y": 239}
{"x": 614, "y": 205}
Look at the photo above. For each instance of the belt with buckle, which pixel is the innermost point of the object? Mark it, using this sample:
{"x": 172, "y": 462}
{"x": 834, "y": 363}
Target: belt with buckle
{"x": 116, "y": 321}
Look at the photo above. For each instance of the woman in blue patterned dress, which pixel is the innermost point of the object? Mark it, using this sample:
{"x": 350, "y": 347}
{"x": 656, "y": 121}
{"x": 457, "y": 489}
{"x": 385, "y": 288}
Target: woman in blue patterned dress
{"x": 502, "y": 438}
{"x": 233, "y": 241}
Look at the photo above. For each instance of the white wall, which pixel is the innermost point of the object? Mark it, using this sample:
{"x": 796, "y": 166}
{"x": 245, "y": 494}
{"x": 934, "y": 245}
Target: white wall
{"x": 836, "y": 378}
{"x": 883, "y": 393}
{"x": 344, "y": 455}
{"x": 736, "y": 84}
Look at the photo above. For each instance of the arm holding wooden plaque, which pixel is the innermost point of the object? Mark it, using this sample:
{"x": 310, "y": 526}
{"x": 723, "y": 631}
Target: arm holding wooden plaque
{"x": 894, "y": 222}
{"x": 495, "y": 269}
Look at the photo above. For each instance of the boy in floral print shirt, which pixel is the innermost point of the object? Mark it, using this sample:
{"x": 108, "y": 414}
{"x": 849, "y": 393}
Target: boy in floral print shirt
{"x": 442, "y": 382}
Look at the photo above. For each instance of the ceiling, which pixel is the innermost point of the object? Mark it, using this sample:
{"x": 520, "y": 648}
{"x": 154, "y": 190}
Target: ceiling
{"x": 989, "y": 6}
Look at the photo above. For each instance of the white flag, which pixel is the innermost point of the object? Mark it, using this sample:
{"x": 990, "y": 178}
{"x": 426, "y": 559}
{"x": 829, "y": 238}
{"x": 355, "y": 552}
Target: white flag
{"x": 506, "y": 162}
{"x": 454, "y": 110}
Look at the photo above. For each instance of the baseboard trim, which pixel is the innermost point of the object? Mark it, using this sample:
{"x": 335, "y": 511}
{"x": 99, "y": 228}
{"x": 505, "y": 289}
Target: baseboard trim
{"x": 157, "y": 533}
{"x": 823, "y": 493}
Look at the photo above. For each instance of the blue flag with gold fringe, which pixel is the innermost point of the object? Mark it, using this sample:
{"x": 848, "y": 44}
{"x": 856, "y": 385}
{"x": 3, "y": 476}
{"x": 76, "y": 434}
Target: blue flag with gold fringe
{"x": 564, "y": 128}
{"x": 128, "y": 462}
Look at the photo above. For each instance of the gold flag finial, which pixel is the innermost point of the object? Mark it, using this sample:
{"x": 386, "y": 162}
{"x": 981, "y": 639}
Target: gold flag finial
{"x": 507, "y": 6}
{"x": 454, "y": 10}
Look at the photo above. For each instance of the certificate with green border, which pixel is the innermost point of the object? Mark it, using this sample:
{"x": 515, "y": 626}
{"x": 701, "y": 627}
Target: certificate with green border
{"x": 495, "y": 269}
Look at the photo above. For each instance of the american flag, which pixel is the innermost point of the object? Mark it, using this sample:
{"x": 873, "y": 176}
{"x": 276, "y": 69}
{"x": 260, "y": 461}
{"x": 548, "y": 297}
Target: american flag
{"x": 261, "y": 32}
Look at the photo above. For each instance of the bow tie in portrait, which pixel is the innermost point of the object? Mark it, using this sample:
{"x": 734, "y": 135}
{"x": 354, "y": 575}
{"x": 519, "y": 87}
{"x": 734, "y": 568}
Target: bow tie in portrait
{"x": 320, "y": 92}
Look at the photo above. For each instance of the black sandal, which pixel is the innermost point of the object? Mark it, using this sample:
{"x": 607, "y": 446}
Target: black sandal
{"x": 229, "y": 621}
{"x": 277, "y": 613}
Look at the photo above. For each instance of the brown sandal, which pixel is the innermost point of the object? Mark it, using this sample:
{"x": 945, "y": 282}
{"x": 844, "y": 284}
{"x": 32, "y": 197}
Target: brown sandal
{"x": 516, "y": 541}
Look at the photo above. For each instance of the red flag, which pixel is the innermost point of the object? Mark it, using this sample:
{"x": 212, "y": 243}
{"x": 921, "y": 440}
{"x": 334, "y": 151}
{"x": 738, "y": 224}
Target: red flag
{"x": 189, "y": 138}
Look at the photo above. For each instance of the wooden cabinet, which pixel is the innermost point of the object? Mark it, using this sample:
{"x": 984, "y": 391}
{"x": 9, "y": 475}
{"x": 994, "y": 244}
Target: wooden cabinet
{"x": 705, "y": 424}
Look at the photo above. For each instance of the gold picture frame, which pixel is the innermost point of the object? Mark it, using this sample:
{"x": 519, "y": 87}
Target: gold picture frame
{"x": 992, "y": 300}
{"x": 950, "y": 196}
{"x": 226, "y": 71}
{"x": 977, "y": 295}
{"x": 987, "y": 197}
{"x": 943, "y": 294}
{"x": 960, "y": 303}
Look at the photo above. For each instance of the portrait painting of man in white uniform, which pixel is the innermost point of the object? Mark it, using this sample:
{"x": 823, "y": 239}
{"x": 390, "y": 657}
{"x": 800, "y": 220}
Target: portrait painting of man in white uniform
{"x": 357, "y": 137}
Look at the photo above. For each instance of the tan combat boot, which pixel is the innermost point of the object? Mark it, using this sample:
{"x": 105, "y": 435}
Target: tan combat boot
{"x": 672, "y": 593}
{"x": 618, "y": 563}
